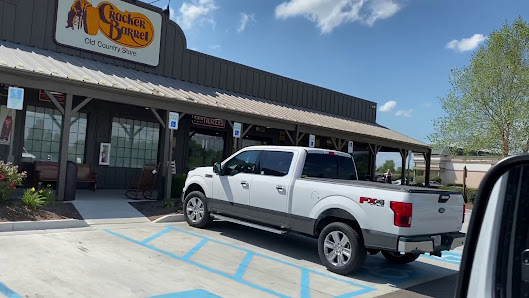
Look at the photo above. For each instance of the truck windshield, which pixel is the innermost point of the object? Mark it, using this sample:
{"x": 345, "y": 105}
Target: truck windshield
{"x": 329, "y": 166}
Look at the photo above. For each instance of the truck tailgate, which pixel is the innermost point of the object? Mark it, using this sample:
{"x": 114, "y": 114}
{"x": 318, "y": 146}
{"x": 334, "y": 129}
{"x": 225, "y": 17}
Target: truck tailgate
{"x": 436, "y": 212}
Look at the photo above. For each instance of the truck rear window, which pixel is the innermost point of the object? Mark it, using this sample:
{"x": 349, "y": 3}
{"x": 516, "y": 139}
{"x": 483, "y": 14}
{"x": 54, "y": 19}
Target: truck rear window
{"x": 329, "y": 166}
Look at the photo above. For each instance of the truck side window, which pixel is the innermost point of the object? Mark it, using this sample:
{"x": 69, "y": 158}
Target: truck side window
{"x": 329, "y": 166}
{"x": 276, "y": 163}
{"x": 245, "y": 162}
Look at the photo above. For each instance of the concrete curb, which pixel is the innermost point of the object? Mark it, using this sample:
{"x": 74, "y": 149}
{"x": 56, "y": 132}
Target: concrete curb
{"x": 42, "y": 225}
{"x": 170, "y": 218}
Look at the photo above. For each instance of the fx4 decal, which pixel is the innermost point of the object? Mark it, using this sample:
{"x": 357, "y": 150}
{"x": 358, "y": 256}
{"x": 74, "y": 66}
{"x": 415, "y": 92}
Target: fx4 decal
{"x": 370, "y": 201}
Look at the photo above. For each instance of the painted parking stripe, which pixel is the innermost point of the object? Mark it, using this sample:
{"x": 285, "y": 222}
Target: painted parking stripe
{"x": 447, "y": 256}
{"x": 189, "y": 294}
{"x": 157, "y": 235}
{"x": 4, "y": 290}
{"x": 197, "y": 264}
{"x": 238, "y": 276}
{"x": 365, "y": 289}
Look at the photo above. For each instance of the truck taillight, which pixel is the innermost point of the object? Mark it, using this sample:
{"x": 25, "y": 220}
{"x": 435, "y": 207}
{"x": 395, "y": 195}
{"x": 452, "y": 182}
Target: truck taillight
{"x": 403, "y": 213}
{"x": 464, "y": 207}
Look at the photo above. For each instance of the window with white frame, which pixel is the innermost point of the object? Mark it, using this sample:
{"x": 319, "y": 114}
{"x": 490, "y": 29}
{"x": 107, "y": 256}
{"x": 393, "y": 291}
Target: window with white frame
{"x": 134, "y": 143}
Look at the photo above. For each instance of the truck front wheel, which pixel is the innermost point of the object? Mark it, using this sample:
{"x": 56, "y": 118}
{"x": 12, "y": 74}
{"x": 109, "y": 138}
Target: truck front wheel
{"x": 400, "y": 258}
{"x": 341, "y": 248}
{"x": 196, "y": 210}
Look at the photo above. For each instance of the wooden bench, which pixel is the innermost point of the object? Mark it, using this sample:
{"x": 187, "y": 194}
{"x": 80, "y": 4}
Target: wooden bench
{"x": 48, "y": 171}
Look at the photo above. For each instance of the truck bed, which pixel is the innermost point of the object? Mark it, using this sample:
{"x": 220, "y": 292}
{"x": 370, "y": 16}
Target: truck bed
{"x": 385, "y": 186}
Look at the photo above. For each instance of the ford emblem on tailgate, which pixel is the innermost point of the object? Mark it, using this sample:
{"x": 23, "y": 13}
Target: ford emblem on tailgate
{"x": 441, "y": 210}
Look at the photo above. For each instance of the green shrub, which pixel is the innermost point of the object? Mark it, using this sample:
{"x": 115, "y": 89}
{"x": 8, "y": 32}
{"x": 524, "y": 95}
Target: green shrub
{"x": 420, "y": 179}
{"x": 47, "y": 192}
{"x": 177, "y": 185}
{"x": 457, "y": 184}
{"x": 169, "y": 203}
{"x": 436, "y": 179}
{"x": 10, "y": 178}
{"x": 472, "y": 194}
{"x": 33, "y": 199}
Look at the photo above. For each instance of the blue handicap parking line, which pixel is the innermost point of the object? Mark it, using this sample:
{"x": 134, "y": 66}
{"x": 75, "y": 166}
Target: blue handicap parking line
{"x": 239, "y": 275}
{"x": 189, "y": 294}
{"x": 4, "y": 290}
{"x": 447, "y": 256}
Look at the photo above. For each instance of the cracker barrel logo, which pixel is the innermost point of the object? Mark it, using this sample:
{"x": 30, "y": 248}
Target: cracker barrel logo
{"x": 130, "y": 29}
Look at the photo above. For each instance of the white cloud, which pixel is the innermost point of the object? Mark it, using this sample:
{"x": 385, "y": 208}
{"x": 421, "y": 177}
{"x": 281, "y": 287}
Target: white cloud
{"x": 405, "y": 113}
{"x": 388, "y": 106}
{"x": 216, "y": 47}
{"x": 245, "y": 20}
{"x": 329, "y": 14}
{"x": 466, "y": 44}
{"x": 197, "y": 11}
{"x": 427, "y": 104}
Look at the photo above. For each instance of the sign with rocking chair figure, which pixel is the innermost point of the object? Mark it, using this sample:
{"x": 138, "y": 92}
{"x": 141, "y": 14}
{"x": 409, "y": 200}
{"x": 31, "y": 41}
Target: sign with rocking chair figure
{"x": 114, "y": 28}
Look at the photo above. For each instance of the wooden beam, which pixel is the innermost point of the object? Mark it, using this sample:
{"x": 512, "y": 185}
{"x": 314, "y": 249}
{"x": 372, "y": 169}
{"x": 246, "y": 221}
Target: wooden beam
{"x": 82, "y": 104}
{"x": 246, "y": 131}
{"x": 343, "y": 143}
{"x": 290, "y": 137}
{"x": 55, "y": 101}
{"x": 159, "y": 118}
{"x": 335, "y": 145}
{"x": 63, "y": 151}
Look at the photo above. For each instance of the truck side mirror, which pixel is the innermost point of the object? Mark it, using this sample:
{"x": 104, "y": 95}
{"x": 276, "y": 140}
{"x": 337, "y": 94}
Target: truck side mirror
{"x": 495, "y": 260}
{"x": 217, "y": 168}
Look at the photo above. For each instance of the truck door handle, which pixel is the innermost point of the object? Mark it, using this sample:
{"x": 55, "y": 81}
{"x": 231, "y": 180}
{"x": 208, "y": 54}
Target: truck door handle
{"x": 280, "y": 188}
{"x": 244, "y": 184}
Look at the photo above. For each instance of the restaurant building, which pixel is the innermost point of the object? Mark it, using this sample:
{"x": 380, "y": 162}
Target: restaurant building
{"x": 110, "y": 72}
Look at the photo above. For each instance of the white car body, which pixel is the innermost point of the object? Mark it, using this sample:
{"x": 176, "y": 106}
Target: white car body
{"x": 301, "y": 204}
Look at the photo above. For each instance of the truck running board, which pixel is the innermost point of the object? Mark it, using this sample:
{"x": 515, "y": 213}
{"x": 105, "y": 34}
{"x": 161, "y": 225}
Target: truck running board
{"x": 248, "y": 224}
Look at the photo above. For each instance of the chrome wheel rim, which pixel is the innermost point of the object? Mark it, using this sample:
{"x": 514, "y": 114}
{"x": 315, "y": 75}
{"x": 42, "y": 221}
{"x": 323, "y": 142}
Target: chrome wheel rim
{"x": 337, "y": 248}
{"x": 195, "y": 210}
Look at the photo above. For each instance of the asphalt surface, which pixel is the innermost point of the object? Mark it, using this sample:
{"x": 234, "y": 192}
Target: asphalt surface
{"x": 175, "y": 260}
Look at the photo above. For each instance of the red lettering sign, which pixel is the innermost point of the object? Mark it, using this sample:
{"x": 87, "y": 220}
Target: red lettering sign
{"x": 60, "y": 97}
{"x": 209, "y": 122}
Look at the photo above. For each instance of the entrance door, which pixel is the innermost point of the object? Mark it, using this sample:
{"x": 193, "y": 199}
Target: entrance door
{"x": 231, "y": 190}
{"x": 270, "y": 191}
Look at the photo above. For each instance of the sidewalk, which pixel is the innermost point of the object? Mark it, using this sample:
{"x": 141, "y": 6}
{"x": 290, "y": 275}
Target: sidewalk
{"x": 107, "y": 206}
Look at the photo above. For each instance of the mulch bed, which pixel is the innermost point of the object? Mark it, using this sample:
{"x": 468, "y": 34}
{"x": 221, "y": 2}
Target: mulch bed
{"x": 15, "y": 211}
{"x": 156, "y": 209}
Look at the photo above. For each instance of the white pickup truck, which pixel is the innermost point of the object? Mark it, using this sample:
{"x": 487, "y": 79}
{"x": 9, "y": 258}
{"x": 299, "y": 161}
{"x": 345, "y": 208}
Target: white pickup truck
{"x": 316, "y": 192}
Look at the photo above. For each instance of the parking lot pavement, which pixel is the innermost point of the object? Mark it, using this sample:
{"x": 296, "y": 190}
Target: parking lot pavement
{"x": 174, "y": 260}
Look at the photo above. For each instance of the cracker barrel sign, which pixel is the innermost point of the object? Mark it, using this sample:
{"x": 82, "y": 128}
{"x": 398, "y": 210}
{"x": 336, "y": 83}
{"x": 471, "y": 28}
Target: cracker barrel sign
{"x": 113, "y": 28}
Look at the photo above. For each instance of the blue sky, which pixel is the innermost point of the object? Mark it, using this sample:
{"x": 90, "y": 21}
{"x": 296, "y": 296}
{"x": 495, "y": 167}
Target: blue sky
{"x": 381, "y": 50}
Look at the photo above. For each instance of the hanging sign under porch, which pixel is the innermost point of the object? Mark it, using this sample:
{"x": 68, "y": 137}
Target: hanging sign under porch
{"x": 173, "y": 120}
{"x": 312, "y": 141}
{"x": 15, "y": 98}
{"x": 237, "y": 127}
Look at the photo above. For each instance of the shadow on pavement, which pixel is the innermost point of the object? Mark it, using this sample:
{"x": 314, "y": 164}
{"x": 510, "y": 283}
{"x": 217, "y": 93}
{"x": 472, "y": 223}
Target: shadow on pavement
{"x": 376, "y": 269}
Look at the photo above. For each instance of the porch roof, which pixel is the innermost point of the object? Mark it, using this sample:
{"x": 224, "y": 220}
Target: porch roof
{"x": 42, "y": 69}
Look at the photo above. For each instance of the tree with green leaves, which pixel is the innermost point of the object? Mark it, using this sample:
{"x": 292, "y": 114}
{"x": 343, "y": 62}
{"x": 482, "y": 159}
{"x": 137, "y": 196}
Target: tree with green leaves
{"x": 488, "y": 105}
{"x": 388, "y": 165}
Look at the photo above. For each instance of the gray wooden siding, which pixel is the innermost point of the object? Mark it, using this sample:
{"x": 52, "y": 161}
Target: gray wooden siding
{"x": 32, "y": 22}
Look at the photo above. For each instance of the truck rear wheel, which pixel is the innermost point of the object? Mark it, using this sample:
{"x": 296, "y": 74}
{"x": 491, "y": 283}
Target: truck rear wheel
{"x": 341, "y": 248}
{"x": 400, "y": 258}
{"x": 196, "y": 210}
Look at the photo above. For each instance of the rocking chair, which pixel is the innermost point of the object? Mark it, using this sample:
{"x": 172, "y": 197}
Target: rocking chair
{"x": 144, "y": 187}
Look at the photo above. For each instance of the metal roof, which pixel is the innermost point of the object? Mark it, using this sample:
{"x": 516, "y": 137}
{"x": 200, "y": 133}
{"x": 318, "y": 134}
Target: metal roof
{"x": 94, "y": 73}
